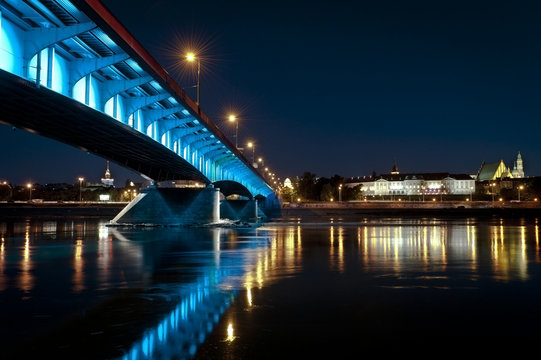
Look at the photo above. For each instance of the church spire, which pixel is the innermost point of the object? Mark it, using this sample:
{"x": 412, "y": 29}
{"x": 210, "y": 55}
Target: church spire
{"x": 394, "y": 170}
{"x": 107, "y": 179}
{"x": 518, "y": 171}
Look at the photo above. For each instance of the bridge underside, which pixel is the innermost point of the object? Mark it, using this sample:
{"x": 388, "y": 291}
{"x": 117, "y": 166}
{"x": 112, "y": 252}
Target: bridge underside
{"x": 47, "y": 113}
{"x": 228, "y": 187}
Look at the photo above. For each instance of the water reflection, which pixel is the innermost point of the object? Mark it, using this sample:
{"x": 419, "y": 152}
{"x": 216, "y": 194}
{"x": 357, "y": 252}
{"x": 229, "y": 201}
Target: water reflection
{"x": 201, "y": 271}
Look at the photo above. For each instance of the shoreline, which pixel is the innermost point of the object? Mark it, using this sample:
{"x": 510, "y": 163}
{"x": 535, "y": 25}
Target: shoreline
{"x": 56, "y": 209}
{"x": 417, "y": 208}
{"x": 314, "y": 209}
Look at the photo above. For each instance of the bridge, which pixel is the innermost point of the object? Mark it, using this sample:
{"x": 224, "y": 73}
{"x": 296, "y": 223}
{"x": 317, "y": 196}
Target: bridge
{"x": 70, "y": 71}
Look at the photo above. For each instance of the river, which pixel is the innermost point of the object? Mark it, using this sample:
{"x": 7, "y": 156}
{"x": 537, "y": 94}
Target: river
{"x": 77, "y": 288}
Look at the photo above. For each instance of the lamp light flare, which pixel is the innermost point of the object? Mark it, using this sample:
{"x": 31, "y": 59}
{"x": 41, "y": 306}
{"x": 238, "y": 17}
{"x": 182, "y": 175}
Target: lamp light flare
{"x": 190, "y": 56}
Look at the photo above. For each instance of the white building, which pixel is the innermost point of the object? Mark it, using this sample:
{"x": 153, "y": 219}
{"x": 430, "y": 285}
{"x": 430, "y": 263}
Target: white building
{"x": 415, "y": 184}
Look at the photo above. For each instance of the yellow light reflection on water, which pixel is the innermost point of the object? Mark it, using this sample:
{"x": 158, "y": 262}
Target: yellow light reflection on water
{"x": 537, "y": 240}
{"x": 3, "y": 280}
{"x": 78, "y": 264}
{"x": 509, "y": 253}
{"x": 230, "y": 334}
{"x": 26, "y": 280}
{"x": 249, "y": 296}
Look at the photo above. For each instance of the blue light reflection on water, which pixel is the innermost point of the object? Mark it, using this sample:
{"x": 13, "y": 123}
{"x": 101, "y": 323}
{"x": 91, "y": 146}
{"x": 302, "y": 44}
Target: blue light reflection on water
{"x": 92, "y": 261}
{"x": 203, "y": 302}
{"x": 180, "y": 332}
{"x": 396, "y": 255}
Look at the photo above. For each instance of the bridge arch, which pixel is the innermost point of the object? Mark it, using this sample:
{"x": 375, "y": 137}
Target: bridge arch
{"x": 73, "y": 73}
{"x": 229, "y": 187}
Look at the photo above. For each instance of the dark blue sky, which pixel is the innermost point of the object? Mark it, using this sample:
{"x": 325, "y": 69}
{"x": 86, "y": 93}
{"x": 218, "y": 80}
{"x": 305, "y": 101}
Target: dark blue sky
{"x": 341, "y": 87}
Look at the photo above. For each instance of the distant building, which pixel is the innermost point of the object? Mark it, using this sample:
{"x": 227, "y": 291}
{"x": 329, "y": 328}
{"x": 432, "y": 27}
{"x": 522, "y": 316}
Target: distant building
{"x": 518, "y": 168}
{"x": 107, "y": 179}
{"x": 394, "y": 170}
{"x": 498, "y": 170}
{"x": 414, "y": 184}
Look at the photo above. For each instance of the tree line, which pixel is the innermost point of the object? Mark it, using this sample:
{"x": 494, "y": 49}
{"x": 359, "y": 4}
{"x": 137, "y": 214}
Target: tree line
{"x": 310, "y": 187}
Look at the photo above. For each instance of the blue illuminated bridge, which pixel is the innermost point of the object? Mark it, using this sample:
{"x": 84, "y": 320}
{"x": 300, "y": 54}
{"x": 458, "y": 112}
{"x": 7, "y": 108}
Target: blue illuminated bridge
{"x": 70, "y": 71}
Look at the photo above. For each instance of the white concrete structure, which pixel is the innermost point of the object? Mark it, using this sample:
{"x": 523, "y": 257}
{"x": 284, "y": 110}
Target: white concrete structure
{"x": 415, "y": 184}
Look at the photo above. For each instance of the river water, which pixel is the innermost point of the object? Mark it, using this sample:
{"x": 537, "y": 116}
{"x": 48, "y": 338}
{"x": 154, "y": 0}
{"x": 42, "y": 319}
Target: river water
{"x": 76, "y": 288}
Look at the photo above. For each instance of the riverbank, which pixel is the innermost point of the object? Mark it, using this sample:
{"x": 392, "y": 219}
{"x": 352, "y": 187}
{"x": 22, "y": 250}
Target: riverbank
{"x": 305, "y": 210}
{"x": 60, "y": 209}
{"x": 393, "y": 208}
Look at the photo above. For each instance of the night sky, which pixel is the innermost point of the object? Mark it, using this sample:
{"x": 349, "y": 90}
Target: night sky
{"x": 337, "y": 87}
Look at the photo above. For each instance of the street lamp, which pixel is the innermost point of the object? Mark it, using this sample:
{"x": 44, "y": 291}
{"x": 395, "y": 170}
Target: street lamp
{"x": 252, "y": 145}
{"x": 233, "y": 118}
{"x": 190, "y": 57}
{"x": 29, "y": 186}
{"x": 5, "y": 183}
{"x": 340, "y": 193}
{"x": 80, "y": 189}
{"x": 519, "y": 188}
{"x": 492, "y": 191}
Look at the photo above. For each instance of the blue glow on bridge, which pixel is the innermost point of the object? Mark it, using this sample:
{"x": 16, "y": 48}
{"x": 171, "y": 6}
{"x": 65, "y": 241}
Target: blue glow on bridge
{"x": 77, "y": 49}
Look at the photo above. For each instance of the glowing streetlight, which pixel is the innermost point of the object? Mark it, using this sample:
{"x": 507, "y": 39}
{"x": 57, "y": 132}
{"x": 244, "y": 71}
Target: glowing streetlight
{"x": 340, "y": 193}
{"x": 519, "y": 188}
{"x": 29, "y": 186}
{"x": 492, "y": 191}
{"x": 5, "y": 183}
{"x": 252, "y": 146}
{"x": 81, "y": 189}
{"x": 190, "y": 57}
{"x": 233, "y": 118}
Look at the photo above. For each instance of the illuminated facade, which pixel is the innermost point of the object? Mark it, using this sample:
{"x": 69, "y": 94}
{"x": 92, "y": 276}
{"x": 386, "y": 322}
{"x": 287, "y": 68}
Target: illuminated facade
{"x": 414, "y": 184}
{"x": 498, "y": 170}
{"x": 518, "y": 168}
{"x": 107, "y": 179}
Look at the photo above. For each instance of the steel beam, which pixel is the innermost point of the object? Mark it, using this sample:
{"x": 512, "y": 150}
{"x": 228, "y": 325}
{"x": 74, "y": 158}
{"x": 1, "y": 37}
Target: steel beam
{"x": 36, "y": 40}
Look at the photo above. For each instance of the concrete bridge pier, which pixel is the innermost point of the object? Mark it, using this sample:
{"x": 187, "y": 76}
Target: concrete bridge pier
{"x": 243, "y": 210}
{"x": 172, "y": 206}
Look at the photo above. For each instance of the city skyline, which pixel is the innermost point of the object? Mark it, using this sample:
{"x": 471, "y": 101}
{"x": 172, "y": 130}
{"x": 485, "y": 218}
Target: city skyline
{"x": 343, "y": 90}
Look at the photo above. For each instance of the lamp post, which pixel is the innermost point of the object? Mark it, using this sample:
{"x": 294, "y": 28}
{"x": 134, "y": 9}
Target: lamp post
{"x": 29, "y": 186}
{"x": 252, "y": 146}
{"x": 340, "y": 193}
{"x": 81, "y": 189}
{"x": 191, "y": 58}
{"x": 233, "y": 118}
{"x": 5, "y": 183}
{"x": 519, "y": 188}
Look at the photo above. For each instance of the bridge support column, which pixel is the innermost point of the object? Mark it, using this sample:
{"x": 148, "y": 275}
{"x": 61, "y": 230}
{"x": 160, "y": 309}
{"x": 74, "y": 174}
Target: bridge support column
{"x": 172, "y": 206}
{"x": 244, "y": 210}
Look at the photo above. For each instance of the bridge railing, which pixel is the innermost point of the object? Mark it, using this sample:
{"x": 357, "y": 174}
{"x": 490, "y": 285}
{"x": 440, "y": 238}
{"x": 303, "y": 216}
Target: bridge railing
{"x": 106, "y": 19}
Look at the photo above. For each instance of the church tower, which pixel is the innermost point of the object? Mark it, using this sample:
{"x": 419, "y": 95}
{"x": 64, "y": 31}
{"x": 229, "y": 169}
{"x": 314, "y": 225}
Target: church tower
{"x": 518, "y": 169}
{"x": 107, "y": 179}
{"x": 394, "y": 170}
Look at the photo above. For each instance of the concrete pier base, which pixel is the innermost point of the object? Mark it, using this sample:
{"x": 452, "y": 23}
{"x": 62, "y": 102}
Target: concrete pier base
{"x": 243, "y": 210}
{"x": 172, "y": 206}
